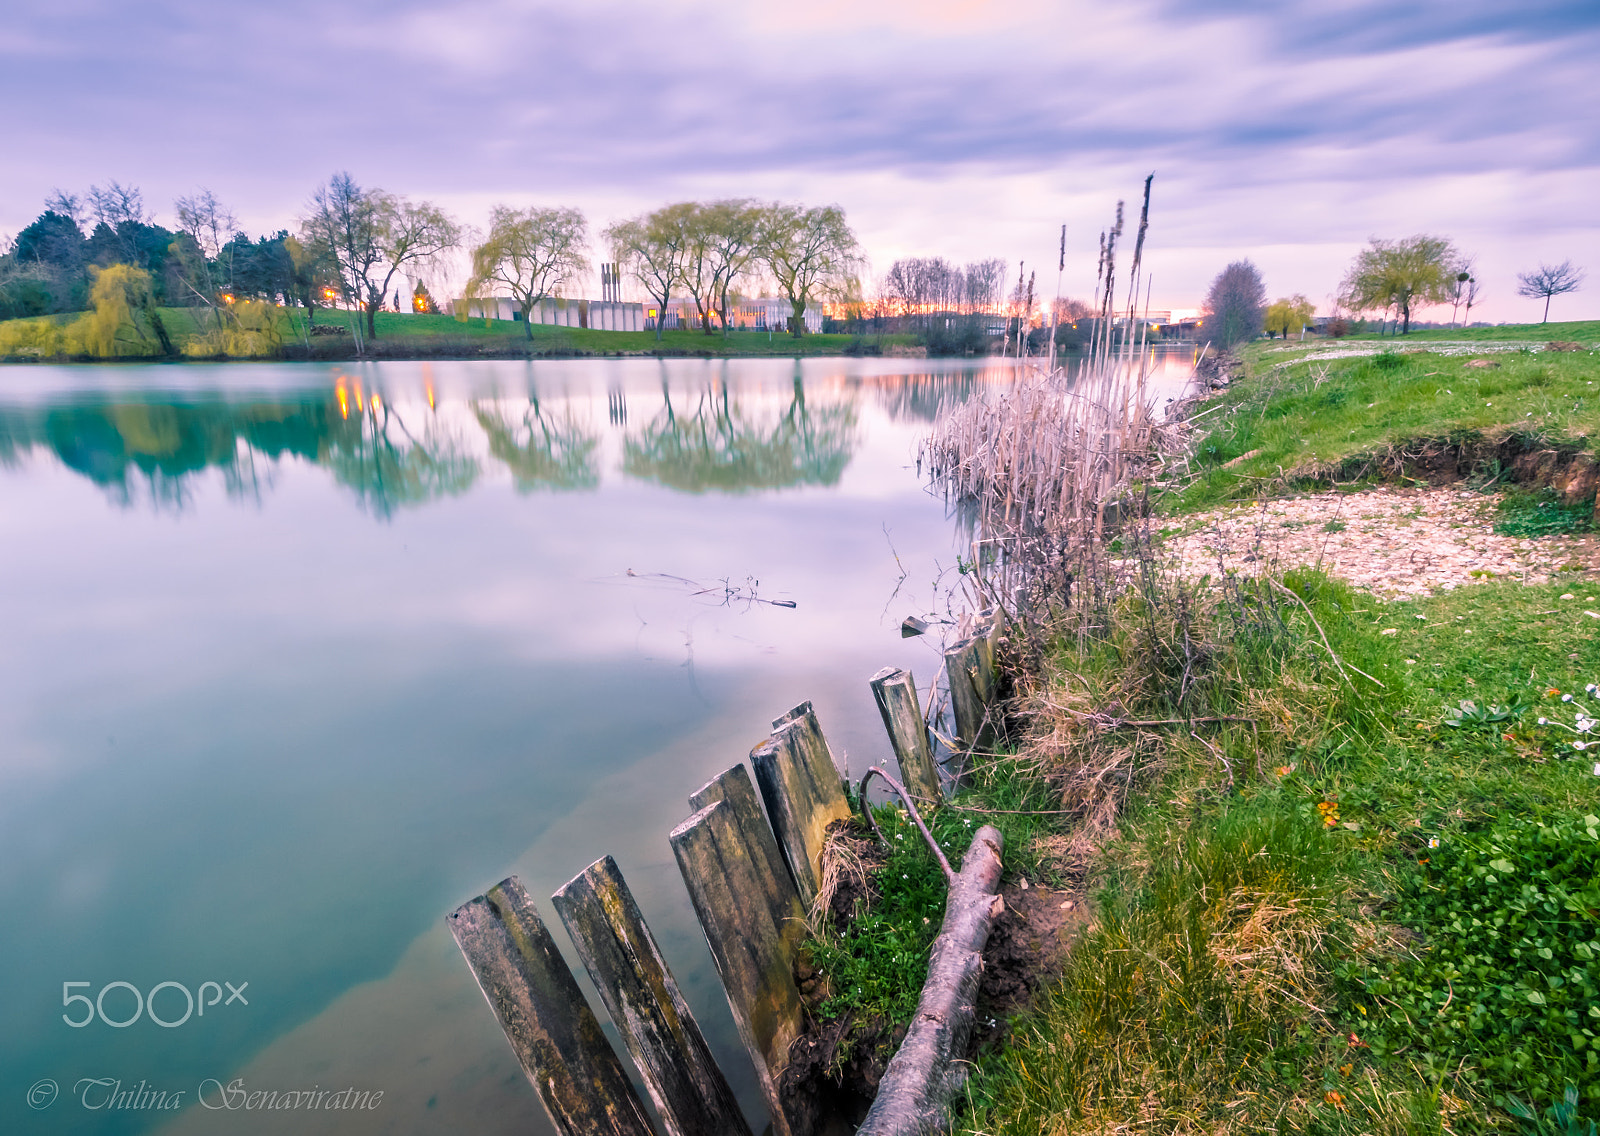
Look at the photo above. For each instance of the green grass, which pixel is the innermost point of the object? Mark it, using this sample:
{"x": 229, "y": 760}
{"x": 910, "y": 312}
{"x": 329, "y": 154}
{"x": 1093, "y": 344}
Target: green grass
{"x": 1581, "y": 331}
{"x": 1299, "y": 423}
{"x": 435, "y": 333}
{"x": 1276, "y": 945}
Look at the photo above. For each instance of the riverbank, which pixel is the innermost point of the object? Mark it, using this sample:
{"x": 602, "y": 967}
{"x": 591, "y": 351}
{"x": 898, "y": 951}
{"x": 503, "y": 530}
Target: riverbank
{"x": 1317, "y": 760}
{"x": 284, "y": 334}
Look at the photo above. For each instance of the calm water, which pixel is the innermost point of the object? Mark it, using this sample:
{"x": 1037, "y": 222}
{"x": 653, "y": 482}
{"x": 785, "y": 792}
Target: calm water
{"x": 295, "y": 660}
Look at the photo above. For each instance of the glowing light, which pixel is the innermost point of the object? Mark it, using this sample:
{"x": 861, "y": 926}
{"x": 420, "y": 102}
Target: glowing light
{"x": 227, "y": 298}
{"x": 344, "y": 400}
{"x": 431, "y": 404}
{"x": 376, "y": 403}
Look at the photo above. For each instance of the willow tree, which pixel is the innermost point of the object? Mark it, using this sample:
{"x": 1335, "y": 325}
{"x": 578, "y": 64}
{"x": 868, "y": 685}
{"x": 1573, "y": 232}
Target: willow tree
{"x": 532, "y": 253}
{"x": 1404, "y": 275}
{"x": 1290, "y": 314}
{"x": 810, "y": 254}
{"x": 654, "y": 248}
{"x": 722, "y": 240}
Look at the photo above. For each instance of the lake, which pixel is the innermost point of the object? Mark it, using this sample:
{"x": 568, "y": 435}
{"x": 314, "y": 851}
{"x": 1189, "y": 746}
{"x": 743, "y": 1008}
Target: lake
{"x": 299, "y": 658}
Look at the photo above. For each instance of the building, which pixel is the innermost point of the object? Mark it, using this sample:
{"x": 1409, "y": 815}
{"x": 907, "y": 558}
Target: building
{"x": 761, "y": 314}
{"x": 597, "y": 315}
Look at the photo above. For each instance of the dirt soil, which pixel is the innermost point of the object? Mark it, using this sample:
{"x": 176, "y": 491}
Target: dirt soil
{"x": 1397, "y": 543}
{"x": 1027, "y": 947}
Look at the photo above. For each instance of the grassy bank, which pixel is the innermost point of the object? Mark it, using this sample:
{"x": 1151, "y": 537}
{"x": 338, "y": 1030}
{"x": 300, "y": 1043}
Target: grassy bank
{"x": 1291, "y": 422}
{"x": 408, "y": 336}
{"x": 1343, "y": 852}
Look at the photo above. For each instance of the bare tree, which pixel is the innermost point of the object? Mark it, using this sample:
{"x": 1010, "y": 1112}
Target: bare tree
{"x": 1549, "y": 280}
{"x": 1236, "y": 304}
{"x": 532, "y": 252}
{"x": 372, "y": 236}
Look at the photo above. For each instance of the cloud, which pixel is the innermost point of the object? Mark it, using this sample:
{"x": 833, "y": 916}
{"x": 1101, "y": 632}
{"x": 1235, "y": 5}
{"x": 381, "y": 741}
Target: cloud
{"x": 1306, "y": 122}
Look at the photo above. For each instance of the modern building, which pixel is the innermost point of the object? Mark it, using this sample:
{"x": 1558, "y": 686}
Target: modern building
{"x": 556, "y": 311}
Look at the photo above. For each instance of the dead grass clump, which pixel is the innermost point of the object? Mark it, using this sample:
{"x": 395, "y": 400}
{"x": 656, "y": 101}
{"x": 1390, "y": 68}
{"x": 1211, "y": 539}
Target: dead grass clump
{"x": 849, "y": 859}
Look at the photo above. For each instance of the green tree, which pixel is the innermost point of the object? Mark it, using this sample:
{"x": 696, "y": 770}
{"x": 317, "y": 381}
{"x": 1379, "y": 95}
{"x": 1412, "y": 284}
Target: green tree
{"x": 722, "y": 241}
{"x": 1404, "y": 275}
{"x": 810, "y": 254}
{"x": 533, "y": 253}
{"x": 653, "y": 248}
{"x": 1287, "y": 316}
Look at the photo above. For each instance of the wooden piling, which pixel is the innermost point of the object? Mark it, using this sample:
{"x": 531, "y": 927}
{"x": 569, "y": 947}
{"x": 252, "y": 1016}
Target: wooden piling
{"x": 734, "y": 787}
{"x": 690, "y": 1093}
{"x": 895, "y": 692}
{"x": 962, "y": 667}
{"x": 803, "y": 792}
{"x": 554, "y": 1034}
{"x": 722, "y": 871}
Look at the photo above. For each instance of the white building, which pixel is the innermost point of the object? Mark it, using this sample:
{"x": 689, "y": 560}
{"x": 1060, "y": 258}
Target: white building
{"x": 558, "y": 312}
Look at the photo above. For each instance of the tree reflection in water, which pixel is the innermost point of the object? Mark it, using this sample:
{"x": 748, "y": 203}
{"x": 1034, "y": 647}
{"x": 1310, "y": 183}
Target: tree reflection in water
{"x": 389, "y": 467}
{"x": 720, "y": 447}
{"x": 555, "y": 454}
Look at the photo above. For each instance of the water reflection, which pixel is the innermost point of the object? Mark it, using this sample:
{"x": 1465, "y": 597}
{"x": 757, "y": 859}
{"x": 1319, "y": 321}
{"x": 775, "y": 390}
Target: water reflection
{"x": 722, "y": 446}
{"x": 542, "y": 452}
{"x": 389, "y": 466}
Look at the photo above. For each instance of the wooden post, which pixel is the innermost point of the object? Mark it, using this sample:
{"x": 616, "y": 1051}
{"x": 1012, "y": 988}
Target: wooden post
{"x": 690, "y": 1093}
{"x": 803, "y": 793}
{"x": 896, "y": 694}
{"x": 961, "y": 669}
{"x": 551, "y": 1029}
{"x": 734, "y": 788}
{"x": 722, "y": 872}
{"x": 914, "y": 1095}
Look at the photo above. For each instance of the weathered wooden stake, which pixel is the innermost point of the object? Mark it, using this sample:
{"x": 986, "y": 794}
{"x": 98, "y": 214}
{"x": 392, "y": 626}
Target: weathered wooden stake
{"x": 961, "y": 669}
{"x": 734, "y": 788}
{"x": 722, "y": 871}
{"x": 914, "y": 1095}
{"x": 690, "y": 1093}
{"x": 803, "y": 793}
{"x": 896, "y": 694}
{"x": 551, "y": 1029}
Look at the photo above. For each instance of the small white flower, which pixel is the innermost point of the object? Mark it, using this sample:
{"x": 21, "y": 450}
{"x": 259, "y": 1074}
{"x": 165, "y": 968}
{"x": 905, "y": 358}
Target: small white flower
{"x": 1544, "y": 721}
{"x": 1433, "y": 842}
{"x": 1390, "y": 631}
{"x": 1566, "y": 698}
{"x": 1422, "y": 617}
{"x": 1580, "y": 746}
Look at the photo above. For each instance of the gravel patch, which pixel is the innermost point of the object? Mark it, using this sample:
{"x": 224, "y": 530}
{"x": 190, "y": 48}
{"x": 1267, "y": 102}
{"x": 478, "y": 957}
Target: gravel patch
{"x": 1396, "y": 543}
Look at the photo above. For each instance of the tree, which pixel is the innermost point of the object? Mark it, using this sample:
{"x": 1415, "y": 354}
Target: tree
{"x": 1549, "y": 280}
{"x": 1290, "y": 315}
{"x": 533, "y": 253}
{"x": 810, "y": 253}
{"x": 1235, "y": 306}
{"x": 372, "y": 236}
{"x": 653, "y": 248}
{"x": 722, "y": 239}
{"x": 1405, "y": 275}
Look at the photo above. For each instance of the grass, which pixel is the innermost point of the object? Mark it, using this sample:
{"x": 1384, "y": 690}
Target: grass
{"x": 401, "y": 332}
{"x": 1582, "y": 331}
{"x": 1272, "y": 928}
{"x": 1298, "y": 423}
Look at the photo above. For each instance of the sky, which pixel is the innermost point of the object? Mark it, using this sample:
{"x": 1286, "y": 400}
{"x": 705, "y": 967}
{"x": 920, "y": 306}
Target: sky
{"x": 1289, "y": 133}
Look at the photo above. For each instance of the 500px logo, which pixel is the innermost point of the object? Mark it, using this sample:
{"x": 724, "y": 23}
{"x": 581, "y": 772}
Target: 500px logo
{"x": 143, "y": 1004}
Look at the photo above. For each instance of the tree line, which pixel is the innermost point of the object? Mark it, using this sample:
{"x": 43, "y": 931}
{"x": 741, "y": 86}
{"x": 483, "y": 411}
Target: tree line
{"x": 1392, "y": 279}
{"x": 356, "y": 246}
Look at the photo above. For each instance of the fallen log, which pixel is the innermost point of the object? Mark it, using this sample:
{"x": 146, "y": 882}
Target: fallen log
{"x": 925, "y": 1072}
